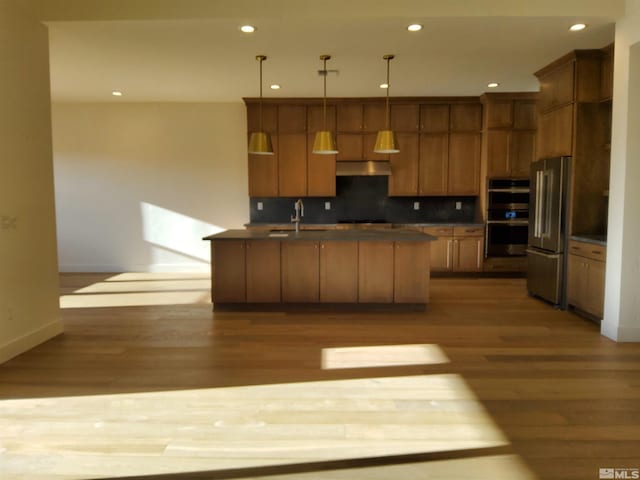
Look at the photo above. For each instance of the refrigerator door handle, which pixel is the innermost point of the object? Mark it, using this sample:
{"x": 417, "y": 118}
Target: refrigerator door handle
{"x": 545, "y": 214}
{"x": 536, "y": 225}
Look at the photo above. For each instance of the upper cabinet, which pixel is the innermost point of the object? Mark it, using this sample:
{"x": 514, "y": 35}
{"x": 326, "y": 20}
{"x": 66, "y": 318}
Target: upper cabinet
{"x": 509, "y": 134}
{"x": 439, "y": 142}
{"x": 574, "y": 119}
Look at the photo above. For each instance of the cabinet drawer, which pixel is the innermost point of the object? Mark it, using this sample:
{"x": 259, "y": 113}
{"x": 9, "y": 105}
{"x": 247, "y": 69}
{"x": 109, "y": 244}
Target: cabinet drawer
{"x": 439, "y": 231}
{"x": 588, "y": 250}
{"x": 468, "y": 231}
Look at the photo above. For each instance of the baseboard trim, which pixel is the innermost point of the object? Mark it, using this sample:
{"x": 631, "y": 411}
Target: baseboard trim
{"x": 29, "y": 340}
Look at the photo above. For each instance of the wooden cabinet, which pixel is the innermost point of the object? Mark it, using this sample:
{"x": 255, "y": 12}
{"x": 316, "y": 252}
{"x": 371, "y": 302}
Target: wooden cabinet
{"x": 606, "y": 74}
{"x": 374, "y": 116}
{"x": 464, "y": 164}
{"x": 465, "y": 117}
{"x": 404, "y": 166}
{"x": 300, "y": 272}
{"x": 433, "y": 170}
{"x": 228, "y": 271}
{"x": 263, "y": 173}
{"x": 405, "y": 117}
{"x": 509, "y": 135}
{"x": 350, "y": 117}
{"x": 292, "y": 119}
{"x": 586, "y": 277}
{"x": 457, "y": 249}
{"x": 555, "y": 136}
{"x": 262, "y": 271}
{"x": 434, "y": 118}
{"x": 269, "y": 118}
{"x": 375, "y": 272}
{"x": 411, "y": 272}
{"x": 316, "y": 121}
{"x": 557, "y": 86}
{"x": 321, "y": 172}
{"x": 292, "y": 164}
{"x": 339, "y": 272}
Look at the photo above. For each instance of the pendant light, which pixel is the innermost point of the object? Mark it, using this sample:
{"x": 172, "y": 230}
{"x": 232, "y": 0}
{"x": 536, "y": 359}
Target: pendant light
{"x": 324, "y": 143}
{"x": 260, "y": 141}
{"x": 386, "y": 140}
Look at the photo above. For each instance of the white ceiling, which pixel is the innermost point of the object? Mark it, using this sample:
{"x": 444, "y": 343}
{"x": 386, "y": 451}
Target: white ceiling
{"x": 196, "y": 55}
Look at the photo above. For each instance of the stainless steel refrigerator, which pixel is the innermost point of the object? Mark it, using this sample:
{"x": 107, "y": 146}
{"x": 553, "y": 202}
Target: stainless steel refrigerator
{"x": 548, "y": 223}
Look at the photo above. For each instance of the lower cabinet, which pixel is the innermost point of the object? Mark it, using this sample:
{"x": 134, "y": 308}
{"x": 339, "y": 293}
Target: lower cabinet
{"x": 375, "y": 272}
{"x": 457, "y": 249}
{"x": 339, "y": 272}
{"x": 300, "y": 272}
{"x": 411, "y": 272}
{"x": 263, "y": 271}
{"x": 228, "y": 271}
{"x": 586, "y": 278}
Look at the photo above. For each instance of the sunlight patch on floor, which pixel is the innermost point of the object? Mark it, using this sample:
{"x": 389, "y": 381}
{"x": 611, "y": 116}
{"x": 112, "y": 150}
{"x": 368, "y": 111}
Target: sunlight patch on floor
{"x": 382, "y": 356}
{"x": 155, "y": 276}
{"x": 134, "y": 299}
{"x": 239, "y": 427}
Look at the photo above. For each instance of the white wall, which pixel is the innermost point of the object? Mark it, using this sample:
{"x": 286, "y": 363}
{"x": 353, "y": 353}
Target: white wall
{"x": 622, "y": 298}
{"x": 29, "y": 312}
{"x": 138, "y": 185}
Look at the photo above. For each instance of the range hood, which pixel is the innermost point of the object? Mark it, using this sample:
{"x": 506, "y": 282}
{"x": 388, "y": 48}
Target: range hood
{"x": 362, "y": 167}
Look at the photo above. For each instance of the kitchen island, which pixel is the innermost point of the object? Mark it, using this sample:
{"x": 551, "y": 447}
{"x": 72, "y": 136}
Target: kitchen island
{"x": 254, "y": 268}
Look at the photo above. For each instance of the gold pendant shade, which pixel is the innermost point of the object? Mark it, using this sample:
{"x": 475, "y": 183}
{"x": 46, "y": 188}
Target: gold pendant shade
{"x": 260, "y": 142}
{"x": 324, "y": 143}
{"x": 386, "y": 139}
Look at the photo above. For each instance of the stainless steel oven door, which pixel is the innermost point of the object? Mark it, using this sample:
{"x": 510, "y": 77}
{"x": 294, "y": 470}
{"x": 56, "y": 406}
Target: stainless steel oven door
{"x": 506, "y": 237}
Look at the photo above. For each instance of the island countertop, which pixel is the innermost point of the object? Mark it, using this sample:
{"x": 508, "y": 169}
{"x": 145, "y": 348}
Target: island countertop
{"x": 389, "y": 235}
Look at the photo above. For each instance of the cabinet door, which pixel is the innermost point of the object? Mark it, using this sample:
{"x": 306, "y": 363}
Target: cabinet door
{"x": 521, "y": 152}
{"x": 434, "y": 118}
{"x": 375, "y": 272}
{"x": 321, "y": 172}
{"x": 315, "y": 119}
{"x": 374, "y": 116}
{"x": 405, "y": 118}
{"x": 263, "y": 173}
{"x": 468, "y": 254}
{"x": 292, "y": 119}
{"x": 499, "y": 114}
{"x": 576, "y": 281}
{"x": 594, "y": 294}
{"x": 339, "y": 272}
{"x": 350, "y": 117}
{"x": 441, "y": 248}
{"x": 411, "y": 272}
{"x": 292, "y": 164}
{"x": 606, "y": 77}
{"x": 524, "y": 115}
{"x": 228, "y": 271}
{"x": 555, "y": 132}
{"x": 269, "y": 118}
{"x": 263, "y": 271}
{"x": 404, "y": 166}
{"x": 466, "y": 117}
{"x": 300, "y": 272}
{"x": 350, "y": 146}
{"x": 464, "y": 164}
{"x": 433, "y": 164}
{"x": 498, "y": 153}
{"x": 557, "y": 87}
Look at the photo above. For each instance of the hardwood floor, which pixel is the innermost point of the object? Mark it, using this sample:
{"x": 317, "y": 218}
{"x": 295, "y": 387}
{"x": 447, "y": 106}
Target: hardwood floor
{"x": 148, "y": 382}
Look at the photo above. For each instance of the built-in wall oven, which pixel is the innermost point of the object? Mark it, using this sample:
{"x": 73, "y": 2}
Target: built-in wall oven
{"x": 507, "y": 217}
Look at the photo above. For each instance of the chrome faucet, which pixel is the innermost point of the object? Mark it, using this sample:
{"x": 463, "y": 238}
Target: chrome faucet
{"x": 299, "y": 208}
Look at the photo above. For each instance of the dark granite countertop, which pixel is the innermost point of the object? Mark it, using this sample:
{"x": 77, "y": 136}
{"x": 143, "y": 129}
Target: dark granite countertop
{"x": 587, "y": 238}
{"x": 394, "y": 225}
{"x": 383, "y": 234}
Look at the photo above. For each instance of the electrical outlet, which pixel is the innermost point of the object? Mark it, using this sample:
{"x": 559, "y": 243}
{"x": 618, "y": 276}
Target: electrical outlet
{"x": 327, "y": 205}
{"x": 260, "y": 206}
{"x": 416, "y": 205}
{"x": 458, "y": 205}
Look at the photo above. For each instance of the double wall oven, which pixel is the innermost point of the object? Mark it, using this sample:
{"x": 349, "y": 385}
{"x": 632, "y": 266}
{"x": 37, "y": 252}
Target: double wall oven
{"x": 507, "y": 217}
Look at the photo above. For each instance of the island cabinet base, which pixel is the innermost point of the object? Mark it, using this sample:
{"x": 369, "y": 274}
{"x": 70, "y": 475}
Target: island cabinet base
{"x": 267, "y": 271}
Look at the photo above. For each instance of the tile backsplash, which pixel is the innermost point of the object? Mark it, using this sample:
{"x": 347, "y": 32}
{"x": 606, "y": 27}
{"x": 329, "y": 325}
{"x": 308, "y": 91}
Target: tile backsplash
{"x": 364, "y": 199}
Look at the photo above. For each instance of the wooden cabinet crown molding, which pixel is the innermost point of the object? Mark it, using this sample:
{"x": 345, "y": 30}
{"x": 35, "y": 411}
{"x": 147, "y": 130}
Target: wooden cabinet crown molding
{"x": 572, "y": 56}
{"x": 344, "y": 100}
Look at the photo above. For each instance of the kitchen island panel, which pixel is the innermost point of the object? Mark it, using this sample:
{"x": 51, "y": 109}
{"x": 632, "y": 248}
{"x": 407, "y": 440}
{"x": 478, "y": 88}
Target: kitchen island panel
{"x": 263, "y": 271}
{"x": 411, "y": 272}
{"x": 375, "y": 272}
{"x": 300, "y": 272}
{"x": 339, "y": 272}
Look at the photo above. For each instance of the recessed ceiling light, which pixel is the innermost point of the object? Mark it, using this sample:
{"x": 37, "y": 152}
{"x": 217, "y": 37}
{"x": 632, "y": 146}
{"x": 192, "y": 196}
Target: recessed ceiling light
{"x": 247, "y": 28}
{"x": 577, "y": 27}
{"x": 116, "y": 93}
{"x": 493, "y": 84}
{"x": 275, "y": 86}
{"x": 384, "y": 85}
{"x": 414, "y": 27}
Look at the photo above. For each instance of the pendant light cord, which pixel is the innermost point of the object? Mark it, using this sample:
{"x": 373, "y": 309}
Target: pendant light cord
{"x": 261, "y": 59}
{"x": 388, "y": 58}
